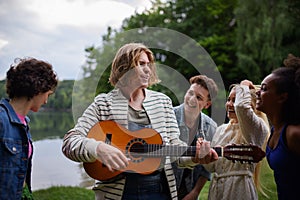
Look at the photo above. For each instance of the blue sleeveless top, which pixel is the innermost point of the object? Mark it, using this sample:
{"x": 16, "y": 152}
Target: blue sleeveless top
{"x": 286, "y": 167}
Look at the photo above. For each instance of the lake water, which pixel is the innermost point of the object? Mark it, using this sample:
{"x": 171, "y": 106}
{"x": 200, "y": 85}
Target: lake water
{"x": 50, "y": 166}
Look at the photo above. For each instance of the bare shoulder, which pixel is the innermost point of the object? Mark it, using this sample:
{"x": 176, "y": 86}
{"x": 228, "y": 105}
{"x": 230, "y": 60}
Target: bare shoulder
{"x": 293, "y": 138}
{"x": 294, "y": 131}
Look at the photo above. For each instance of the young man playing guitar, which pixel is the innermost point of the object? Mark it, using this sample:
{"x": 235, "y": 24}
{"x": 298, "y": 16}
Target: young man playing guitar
{"x": 134, "y": 107}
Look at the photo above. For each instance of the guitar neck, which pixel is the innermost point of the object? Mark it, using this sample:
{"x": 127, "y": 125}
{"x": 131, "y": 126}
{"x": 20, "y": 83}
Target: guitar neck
{"x": 191, "y": 151}
{"x": 153, "y": 150}
{"x": 242, "y": 153}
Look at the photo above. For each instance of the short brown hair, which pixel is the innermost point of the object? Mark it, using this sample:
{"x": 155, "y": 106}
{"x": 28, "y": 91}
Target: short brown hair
{"x": 207, "y": 83}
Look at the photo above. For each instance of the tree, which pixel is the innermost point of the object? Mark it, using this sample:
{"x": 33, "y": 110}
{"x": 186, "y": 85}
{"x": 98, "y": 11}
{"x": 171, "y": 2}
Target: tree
{"x": 210, "y": 22}
{"x": 245, "y": 39}
{"x": 267, "y": 31}
{"x": 2, "y": 89}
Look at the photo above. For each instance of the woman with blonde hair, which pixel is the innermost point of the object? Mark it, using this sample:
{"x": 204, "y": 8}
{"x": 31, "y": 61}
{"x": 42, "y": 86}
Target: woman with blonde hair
{"x": 232, "y": 180}
{"x": 133, "y": 106}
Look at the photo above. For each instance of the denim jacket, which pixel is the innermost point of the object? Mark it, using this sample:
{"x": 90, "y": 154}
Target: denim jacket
{"x": 206, "y": 129}
{"x": 15, "y": 166}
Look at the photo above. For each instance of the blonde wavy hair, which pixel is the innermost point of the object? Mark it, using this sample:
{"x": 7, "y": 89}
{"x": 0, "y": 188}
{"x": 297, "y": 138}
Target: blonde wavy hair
{"x": 127, "y": 58}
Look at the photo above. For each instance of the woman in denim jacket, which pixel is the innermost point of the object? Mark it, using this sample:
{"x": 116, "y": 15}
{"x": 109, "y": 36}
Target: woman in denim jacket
{"x": 29, "y": 83}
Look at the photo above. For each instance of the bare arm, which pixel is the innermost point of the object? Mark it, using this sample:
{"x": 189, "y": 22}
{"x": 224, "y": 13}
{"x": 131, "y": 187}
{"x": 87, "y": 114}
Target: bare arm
{"x": 293, "y": 138}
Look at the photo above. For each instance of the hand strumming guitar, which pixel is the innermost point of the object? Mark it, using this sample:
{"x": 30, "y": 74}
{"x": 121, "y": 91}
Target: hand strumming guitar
{"x": 112, "y": 157}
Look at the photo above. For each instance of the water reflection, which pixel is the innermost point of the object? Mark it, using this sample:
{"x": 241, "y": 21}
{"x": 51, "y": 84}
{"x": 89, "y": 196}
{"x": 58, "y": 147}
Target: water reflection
{"x": 50, "y": 124}
{"x": 50, "y": 166}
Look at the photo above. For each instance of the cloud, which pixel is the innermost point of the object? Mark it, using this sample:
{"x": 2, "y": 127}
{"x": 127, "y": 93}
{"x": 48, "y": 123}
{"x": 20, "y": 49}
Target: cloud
{"x": 58, "y": 31}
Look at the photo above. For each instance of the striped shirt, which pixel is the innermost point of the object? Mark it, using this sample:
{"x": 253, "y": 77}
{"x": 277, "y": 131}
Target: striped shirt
{"x": 114, "y": 106}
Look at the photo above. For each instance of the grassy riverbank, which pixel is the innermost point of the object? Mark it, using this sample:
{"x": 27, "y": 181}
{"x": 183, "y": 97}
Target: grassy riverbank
{"x": 77, "y": 193}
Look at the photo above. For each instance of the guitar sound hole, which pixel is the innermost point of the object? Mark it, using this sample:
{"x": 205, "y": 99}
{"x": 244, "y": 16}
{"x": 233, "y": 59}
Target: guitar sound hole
{"x": 136, "y": 150}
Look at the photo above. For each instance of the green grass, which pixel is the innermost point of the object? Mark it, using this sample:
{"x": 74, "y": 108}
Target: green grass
{"x": 64, "y": 193}
{"x": 268, "y": 182}
{"x": 78, "y": 193}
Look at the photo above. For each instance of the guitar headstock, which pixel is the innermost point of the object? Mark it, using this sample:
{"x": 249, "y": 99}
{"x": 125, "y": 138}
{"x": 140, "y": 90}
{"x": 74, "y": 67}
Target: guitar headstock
{"x": 243, "y": 153}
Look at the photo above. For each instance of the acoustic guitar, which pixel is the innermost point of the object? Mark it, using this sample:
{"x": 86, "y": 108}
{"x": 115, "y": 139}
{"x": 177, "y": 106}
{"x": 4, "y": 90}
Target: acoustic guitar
{"x": 146, "y": 150}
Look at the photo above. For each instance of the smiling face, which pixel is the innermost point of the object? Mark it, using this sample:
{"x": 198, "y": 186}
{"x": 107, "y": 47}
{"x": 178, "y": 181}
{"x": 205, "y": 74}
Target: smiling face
{"x": 139, "y": 76}
{"x": 143, "y": 71}
{"x": 267, "y": 97}
{"x": 229, "y": 105}
{"x": 196, "y": 99}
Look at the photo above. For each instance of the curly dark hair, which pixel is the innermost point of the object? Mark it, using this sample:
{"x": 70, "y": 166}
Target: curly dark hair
{"x": 29, "y": 77}
{"x": 288, "y": 80}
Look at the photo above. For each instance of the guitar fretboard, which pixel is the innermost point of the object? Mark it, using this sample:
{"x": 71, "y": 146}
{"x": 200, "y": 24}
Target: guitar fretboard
{"x": 156, "y": 150}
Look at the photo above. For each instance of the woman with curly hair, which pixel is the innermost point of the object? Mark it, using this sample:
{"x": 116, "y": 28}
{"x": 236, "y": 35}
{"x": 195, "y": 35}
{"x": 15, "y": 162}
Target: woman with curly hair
{"x": 29, "y": 83}
{"x": 279, "y": 98}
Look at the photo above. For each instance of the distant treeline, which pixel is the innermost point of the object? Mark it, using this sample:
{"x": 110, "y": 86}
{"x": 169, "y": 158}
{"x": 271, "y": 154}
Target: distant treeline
{"x": 60, "y": 100}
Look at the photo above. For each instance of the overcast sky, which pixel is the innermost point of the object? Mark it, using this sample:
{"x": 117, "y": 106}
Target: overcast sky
{"x": 58, "y": 31}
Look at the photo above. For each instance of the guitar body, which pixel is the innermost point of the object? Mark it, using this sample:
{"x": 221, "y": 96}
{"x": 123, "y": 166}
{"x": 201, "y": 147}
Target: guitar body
{"x": 114, "y": 134}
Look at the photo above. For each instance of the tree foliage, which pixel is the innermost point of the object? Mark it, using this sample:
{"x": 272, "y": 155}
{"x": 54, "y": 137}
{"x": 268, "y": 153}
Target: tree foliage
{"x": 267, "y": 31}
{"x": 210, "y": 23}
{"x": 60, "y": 100}
{"x": 245, "y": 39}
